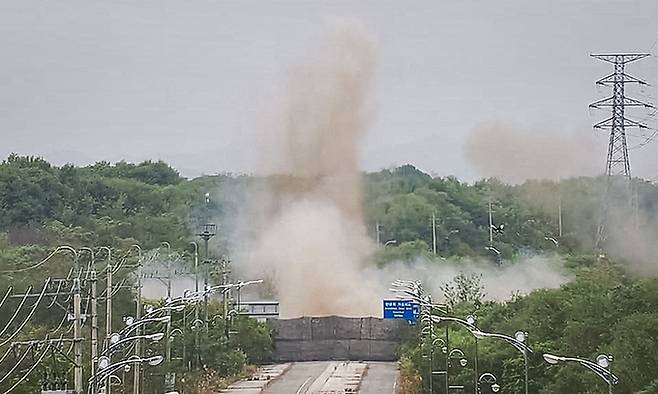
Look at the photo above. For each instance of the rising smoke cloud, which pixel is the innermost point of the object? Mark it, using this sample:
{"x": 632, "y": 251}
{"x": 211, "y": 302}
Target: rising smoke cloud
{"x": 305, "y": 223}
{"x": 515, "y": 154}
{"x": 499, "y": 282}
{"x": 304, "y": 226}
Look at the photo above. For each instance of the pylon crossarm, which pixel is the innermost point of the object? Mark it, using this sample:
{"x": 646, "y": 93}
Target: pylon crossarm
{"x": 619, "y": 58}
{"x": 628, "y": 102}
{"x": 614, "y": 78}
{"x": 609, "y": 123}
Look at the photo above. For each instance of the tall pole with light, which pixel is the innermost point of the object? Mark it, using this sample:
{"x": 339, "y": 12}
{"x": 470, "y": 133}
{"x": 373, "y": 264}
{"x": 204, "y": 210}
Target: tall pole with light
{"x": 602, "y": 367}
{"x": 108, "y": 301}
{"x": 196, "y": 304}
{"x": 137, "y": 377}
{"x": 519, "y": 342}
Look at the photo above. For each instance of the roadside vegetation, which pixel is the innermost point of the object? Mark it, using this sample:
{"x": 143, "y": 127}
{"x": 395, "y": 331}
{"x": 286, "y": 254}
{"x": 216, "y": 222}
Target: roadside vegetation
{"x": 609, "y": 305}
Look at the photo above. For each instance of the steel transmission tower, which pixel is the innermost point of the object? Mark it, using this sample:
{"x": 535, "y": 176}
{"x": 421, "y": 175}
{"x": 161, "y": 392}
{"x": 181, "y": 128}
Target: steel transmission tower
{"x": 617, "y": 160}
{"x": 617, "y": 163}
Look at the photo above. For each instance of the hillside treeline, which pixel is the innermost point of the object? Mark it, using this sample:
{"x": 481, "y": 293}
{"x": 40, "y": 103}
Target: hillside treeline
{"x": 606, "y": 308}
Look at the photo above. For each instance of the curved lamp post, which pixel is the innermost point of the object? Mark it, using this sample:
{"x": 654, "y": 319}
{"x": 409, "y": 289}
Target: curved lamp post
{"x": 489, "y": 379}
{"x": 116, "y": 340}
{"x": 458, "y": 354}
{"x": 132, "y": 324}
{"x": 455, "y": 354}
{"x": 519, "y": 343}
{"x": 602, "y": 366}
{"x": 419, "y": 296}
{"x": 469, "y": 324}
{"x": 105, "y": 369}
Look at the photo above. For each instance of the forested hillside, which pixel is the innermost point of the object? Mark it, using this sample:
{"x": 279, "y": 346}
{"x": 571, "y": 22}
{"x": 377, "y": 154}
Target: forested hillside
{"x": 607, "y": 308}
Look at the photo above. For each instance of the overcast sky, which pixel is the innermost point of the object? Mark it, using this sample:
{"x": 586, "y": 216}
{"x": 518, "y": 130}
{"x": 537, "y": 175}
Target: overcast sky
{"x": 187, "y": 81}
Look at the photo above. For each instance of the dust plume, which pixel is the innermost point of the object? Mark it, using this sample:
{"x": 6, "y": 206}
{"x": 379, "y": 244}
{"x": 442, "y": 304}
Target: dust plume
{"x": 514, "y": 154}
{"x": 304, "y": 224}
{"x": 500, "y": 282}
{"x": 632, "y": 227}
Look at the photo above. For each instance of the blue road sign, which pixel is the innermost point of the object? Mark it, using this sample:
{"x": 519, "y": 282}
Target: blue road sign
{"x": 401, "y": 309}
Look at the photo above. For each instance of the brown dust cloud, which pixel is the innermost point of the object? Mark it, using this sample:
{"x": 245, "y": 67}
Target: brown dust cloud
{"x": 303, "y": 229}
{"x": 306, "y": 224}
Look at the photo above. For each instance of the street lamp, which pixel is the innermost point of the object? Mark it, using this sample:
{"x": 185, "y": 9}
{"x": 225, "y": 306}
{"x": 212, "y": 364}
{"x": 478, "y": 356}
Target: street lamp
{"x": 469, "y": 323}
{"x": 419, "y": 297}
{"x": 116, "y": 340}
{"x": 132, "y": 324}
{"x": 519, "y": 343}
{"x": 602, "y": 366}
{"x": 555, "y": 241}
{"x": 389, "y": 242}
{"x": 489, "y": 379}
{"x": 457, "y": 353}
{"x": 105, "y": 369}
{"x": 495, "y": 251}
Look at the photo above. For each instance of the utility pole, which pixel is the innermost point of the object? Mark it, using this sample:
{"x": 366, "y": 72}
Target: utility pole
{"x": 378, "y": 232}
{"x": 170, "y": 377}
{"x": 94, "y": 312}
{"x": 225, "y": 295}
{"x": 137, "y": 378}
{"x": 209, "y": 231}
{"x": 636, "y": 205}
{"x": 108, "y": 312}
{"x": 168, "y": 332}
{"x": 77, "y": 338}
{"x": 94, "y": 327}
{"x": 559, "y": 217}
{"x": 490, "y": 225}
{"x": 617, "y": 163}
{"x": 196, "y": 304}
{"x": 434, "y": 233}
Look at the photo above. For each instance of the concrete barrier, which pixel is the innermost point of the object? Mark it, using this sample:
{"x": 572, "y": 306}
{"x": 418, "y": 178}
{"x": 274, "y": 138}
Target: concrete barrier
{"x": 335, "y": 338}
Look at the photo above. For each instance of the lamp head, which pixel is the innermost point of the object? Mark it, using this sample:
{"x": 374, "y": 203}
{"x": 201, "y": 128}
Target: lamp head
{"x": 114, "y": 338}
{"x": 155, "y": 360}
{"x": 603, "y": 360}
{"x": 520, "y": 336}
{"x": 551, "y": 359}
{"x": 103, "y": 362}
{"x": 156, "y": 337}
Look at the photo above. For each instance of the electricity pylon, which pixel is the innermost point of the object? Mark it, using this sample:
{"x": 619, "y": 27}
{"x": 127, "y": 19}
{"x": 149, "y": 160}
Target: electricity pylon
{"x": 617, "y": 163}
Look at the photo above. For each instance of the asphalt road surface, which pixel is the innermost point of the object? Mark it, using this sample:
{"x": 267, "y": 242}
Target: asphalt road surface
{"x": 380, "y": 378}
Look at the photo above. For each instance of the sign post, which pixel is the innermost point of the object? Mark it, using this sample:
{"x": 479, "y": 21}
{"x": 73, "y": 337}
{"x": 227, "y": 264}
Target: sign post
{"x": 401, "y": 309}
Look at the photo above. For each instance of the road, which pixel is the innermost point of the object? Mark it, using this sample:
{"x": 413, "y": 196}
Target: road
{"x": 380, "y": 378}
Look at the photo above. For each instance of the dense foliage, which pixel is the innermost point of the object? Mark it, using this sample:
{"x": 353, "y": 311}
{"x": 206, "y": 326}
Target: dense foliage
{"x": 118, "y": 206}
{"x": 604, "y": 309}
